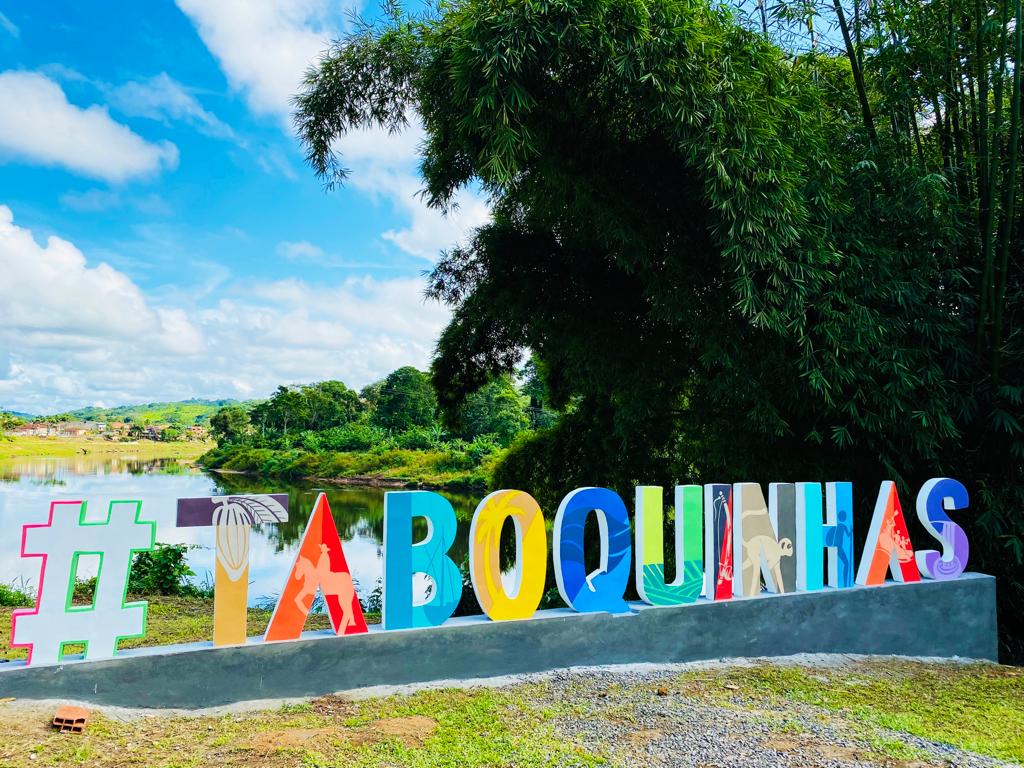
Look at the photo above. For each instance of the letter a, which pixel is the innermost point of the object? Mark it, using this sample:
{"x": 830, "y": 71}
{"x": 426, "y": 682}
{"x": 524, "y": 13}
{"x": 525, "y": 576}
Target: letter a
{"x": 319, "y": 565}
{"x": 888, "y": 545}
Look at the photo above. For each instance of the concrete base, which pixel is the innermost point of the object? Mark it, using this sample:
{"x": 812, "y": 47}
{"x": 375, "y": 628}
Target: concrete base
{"x": 953, "y": 618}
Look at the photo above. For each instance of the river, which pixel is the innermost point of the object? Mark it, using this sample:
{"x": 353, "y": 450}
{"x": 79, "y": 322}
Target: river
{"x": 28, "y": 485}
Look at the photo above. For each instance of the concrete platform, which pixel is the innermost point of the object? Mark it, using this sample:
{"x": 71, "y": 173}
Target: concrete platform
{"x": 953, "y": 618}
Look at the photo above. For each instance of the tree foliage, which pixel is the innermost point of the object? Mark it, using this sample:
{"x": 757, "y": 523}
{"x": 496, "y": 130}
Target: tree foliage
{"x": 735, "y": 258}
{"x": 319, "y": 406}
{"x": 497, "y": 408}
{"x": 406, "y": 400}
{"x": 230, "y": 424}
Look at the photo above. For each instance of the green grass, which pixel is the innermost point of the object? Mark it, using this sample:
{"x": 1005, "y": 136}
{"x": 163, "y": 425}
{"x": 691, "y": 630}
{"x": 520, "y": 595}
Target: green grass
{"x": 433, "y": 728}
{"x": 40, "y": 447}
{"x": 185, "y": 412}
{"x": 976, "y": 707}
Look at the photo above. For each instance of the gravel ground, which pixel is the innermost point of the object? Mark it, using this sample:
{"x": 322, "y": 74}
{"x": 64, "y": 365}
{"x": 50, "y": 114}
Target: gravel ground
{"x": 636, "y": 718}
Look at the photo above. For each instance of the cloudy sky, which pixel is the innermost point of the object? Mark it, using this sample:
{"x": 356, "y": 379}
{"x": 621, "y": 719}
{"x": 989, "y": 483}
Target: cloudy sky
{"x": 160, "y": 236}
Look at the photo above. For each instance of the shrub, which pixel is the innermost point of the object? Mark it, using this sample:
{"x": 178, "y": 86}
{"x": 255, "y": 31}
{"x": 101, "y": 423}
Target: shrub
{"x": 162, "y": 571}
{"x": 417, "y": 439}
{"x": 483, "y": 446}
{"x": 310, "y": 441}
{"x": 16, "y": 596}
{"x": 352, "y": 437}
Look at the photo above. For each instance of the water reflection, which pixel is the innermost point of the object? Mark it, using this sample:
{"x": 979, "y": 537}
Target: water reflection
{"x": 28, "y": 485}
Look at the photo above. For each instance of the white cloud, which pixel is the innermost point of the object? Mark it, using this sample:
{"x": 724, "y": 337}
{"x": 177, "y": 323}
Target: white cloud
{"x": 305, "y": 252}
{"x": 51, "y": 294}
{"x": 301, "y": 251}
{"x": 265, "y": 48}
{"x": 430, "y": 231}
{"x": 41, "y": 126}
{"x": 76, "y": 333}
{"x": 163, "y": 98}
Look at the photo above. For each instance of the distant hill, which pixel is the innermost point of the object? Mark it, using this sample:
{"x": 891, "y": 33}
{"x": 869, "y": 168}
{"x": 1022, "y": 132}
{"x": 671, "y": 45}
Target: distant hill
{"x": 20, "y": 415}
{"x": 185, "y": 412}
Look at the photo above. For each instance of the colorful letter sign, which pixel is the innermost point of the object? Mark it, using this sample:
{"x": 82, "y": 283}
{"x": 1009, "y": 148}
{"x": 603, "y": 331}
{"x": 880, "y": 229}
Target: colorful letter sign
{"x": 747, "y": 545}
{"x": 888, "y": 545}
{"x": 403, "y": 559}
{"x": 759, "y": 550}
{"x": 320, "y": 565}
{"x": 936, "y": 497}
{"x": 602, "y": 589}
{"x": 718, "y": 540}
{"x": 60, "y": 542}
{"x": 813, "y": 536}
{"x": 232, "y": 516}
{"x": 651, "y": 583}
{"x": 782, "y": 512}
{"x": 485, "y": 555}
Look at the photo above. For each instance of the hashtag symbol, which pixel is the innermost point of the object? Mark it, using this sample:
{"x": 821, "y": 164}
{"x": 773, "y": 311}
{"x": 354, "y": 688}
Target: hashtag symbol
{"x": 60, "y": 542}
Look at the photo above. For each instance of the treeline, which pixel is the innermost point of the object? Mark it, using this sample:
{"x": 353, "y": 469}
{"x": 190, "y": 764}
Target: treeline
{"x": 300, "y": 429}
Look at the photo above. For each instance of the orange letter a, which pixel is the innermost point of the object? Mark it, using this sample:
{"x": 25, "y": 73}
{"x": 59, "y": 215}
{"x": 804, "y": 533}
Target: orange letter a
{"x": 319, "y": 565}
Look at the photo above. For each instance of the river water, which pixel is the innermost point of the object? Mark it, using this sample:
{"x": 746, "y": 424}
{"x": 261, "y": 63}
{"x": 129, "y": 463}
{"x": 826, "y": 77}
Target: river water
{"x": 28, "y": 485}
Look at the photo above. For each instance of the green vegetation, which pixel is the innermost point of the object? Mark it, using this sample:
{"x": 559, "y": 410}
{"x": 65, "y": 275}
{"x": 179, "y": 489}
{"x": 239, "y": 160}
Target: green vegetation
{"x": 15, "y": 595}
{"x": 405, "y": 400}
{"x": 389, "y": 433}
{"x": 454, "y": 466}
{"x": 735, "y": 251}
{"x": 430, "y": 728}
{"x": 184, "y": 412}
{"x": 28, "y": 447}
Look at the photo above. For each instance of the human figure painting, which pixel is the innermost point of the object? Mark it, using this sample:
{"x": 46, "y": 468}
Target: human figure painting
{"x": 718, "y": 540}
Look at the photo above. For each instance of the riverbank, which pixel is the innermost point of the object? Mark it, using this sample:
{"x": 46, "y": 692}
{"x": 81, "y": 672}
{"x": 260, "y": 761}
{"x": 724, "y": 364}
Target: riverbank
{"x": 395, "y": 468}
{"x": 56, "y": 447}
{"x": 820, "y": 711}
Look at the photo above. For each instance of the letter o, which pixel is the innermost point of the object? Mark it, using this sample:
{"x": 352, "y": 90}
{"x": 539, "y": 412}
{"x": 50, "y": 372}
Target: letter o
{"x": 485, "y": 555}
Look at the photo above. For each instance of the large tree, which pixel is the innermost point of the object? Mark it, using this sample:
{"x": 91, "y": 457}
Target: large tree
{"x": 672, "y": 228}
{"x": 406, "y": 400}
{"x": 699, "y": 233}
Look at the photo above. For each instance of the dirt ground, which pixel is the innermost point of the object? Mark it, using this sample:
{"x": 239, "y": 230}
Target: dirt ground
{"x": 839, "y": 712}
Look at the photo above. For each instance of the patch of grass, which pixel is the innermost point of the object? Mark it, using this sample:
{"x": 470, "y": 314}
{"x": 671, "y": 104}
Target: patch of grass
{"x": 172, "y": 620}
{"x": 38, "y": 447}
{"x": 975, "y": 707}
{"x": 434, "y": 728}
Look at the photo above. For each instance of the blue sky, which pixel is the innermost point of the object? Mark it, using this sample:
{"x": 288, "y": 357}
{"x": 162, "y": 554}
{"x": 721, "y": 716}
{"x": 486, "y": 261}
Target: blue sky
{"x": 160, "y": 235}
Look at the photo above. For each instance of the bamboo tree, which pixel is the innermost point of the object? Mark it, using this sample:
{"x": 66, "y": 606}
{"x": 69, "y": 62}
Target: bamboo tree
{"x": 1009, "y": 194}
{"x": 858, "y": 76}
{"x": 983, "y": 172}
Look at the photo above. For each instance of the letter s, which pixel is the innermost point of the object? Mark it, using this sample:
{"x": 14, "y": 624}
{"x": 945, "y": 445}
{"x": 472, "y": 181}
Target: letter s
{"x": 937, "y": 496}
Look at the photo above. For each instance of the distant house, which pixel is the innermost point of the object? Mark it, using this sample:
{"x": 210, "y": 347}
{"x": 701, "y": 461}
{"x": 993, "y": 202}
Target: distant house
{"x": 32, "y": 429}
{"x": 198, "y": 432}
{"x": 154, "y": 431}
{"x": 80, "y": 428}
